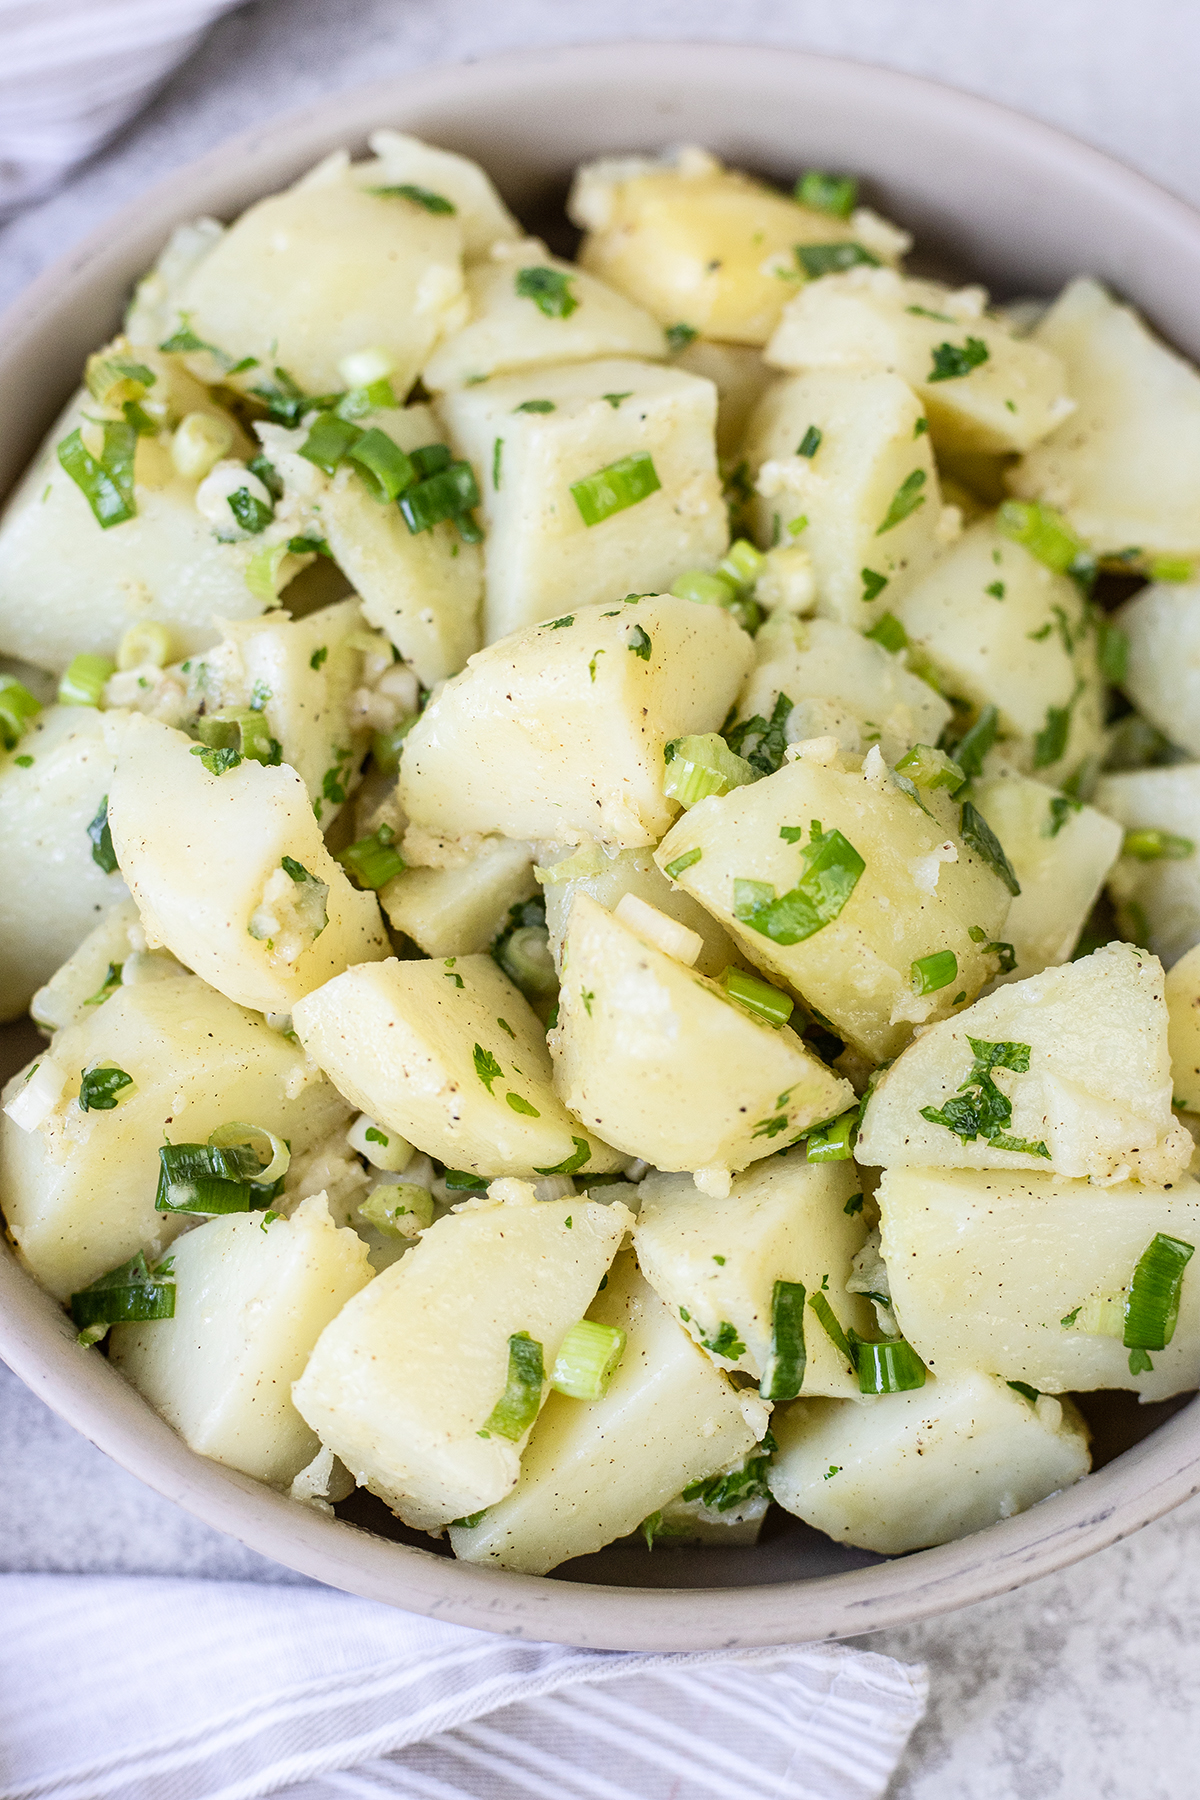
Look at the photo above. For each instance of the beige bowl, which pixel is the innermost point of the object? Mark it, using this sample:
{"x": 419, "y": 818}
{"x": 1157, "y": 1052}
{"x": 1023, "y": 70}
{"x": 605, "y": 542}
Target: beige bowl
{"x": 999, "y": 197}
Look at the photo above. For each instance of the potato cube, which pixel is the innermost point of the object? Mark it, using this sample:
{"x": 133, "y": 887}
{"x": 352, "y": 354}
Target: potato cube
{"x": 1183, "y": 1029}
{"x": 1158, "y": 897}
{"x": 75, "y": 986}
{"x": 1125, "y": 467}
{"x": 459, "y": 911}
{"x": 663, "y": 1064}
{"x": 77, "y": 1188}
{"x": 838, "y": 463}
{"x": 1162, "y": 675}
{"x": 450, "y": 1055}
{"x": 403, "y": 1384}
{"x": 560, "y": 533}
{"x": 594, "y": 1469}
{"x": 739, "y": 375}
{"x": 251, "y": 1300}
{"x": 1016, "y": 1273}
{"x": 1079, "y": 1054}
{"x": 901, "y": 887}
{"x": 1061, "y": 852}
{"x": 405, "y": 160}
{"x": 633, "y": 872}
{"x": 925, "y": 1467}
{"x": 558, "y": 733}
{"x": 206, "y": 856}
{"x": 716, "y": 1262}
{"x": 983, "y": 389}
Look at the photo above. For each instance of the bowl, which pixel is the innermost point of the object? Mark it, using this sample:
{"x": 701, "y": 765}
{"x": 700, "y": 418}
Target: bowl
{"x": 990, "y": 195}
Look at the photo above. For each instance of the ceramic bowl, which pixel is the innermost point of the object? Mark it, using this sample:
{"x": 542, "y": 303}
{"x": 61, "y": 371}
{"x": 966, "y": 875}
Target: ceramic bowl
{"x": 990, "y": 195}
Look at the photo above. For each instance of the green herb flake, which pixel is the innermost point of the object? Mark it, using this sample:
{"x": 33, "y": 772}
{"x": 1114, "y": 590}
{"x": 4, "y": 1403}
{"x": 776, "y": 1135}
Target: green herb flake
{"x": 101, "y": 1088}
{"x": 873, "y": 583}
{"x": 725, "y": 1342}
{"x": 518, "y": 1406}
{"x": 535, "y": 406}
{"x": 614, "y": 400}
{"x": 905, "y": 501}
{"x": 686, "y": 861}
{"x": 497, "y": 458}
{"x": 572, "y": 1164}
{"x": 217, "y": 762}
{"x": 318, "y": 657}
{"x": 420, "y": 196}
{"x": 853, "y": 1206}
{"x": 103, "y": 854}
{"x": 549, "y": 289}
{"x": 680, "y": 336}
{"x": 763, "y": 742}
{"x": 952, "y": 361}
{"x": 107, "y": 481}
{"x": 889, "y": 633}
{"x": 978, "y": 835}
{"x": 929, "y": 974}
{"x": 979, "y": 1109}
{"x": 810, "y": 443}
{"x": 831, "y": 870}
{"x": 831, "y": 259}
{"x": 1150, "y": 845}
{"x": 995, "y": 589}
{"x": 486, "y": 1067}
{"x": 592, "y": 665}
{"x": 832, "y": 194}
{"x": 639, "y": 643}
{"x": 618, "y": 485}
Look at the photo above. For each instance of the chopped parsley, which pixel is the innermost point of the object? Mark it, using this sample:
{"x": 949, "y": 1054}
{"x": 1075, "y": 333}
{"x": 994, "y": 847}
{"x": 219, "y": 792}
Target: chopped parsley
{"x": 535, "y": 406}
{"x": 680, "y": 336}
{"x": 486, "y": 1067}
{"x": 979, "y": 1109}
{"x": 952, "y": 361}
{"x": 830, "y": 259}
{"x": 978, "y": 835}
{"x": 100, "y": 1089}
{"x": 550, "y": 291}
{"x": 420, "y": 196}
{"x": 905, "y": 501}
{"x": 767, "y": 738}
{"x": 725, "y": 1342}
{"x": 831, "y": 870}
{"x": 639, "y": 643}
{"x": 873, "y": 583}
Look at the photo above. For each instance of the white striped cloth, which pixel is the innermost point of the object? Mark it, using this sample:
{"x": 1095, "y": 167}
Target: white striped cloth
{"x": 73, "y": 71}
{"x": 125, "y": 1688}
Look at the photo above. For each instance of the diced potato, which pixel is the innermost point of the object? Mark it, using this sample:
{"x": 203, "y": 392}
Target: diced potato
{"x": 663, "y": 1064}
{"x": 982, "y": 388}
{"x": 740, "y": 375}
{"x": 635, "y": 872}
{"x": 113, "y": 953}
{"x": 866, "y": 504}
{"x": 402, "y": 1384}
{"x": 1158, "y": 900}
{"x": 451, "y": 1056}
{"x": 204, "y": 858}
{"x": 77, "y": 1188}
{"x": 692, "y": 1522}
{"x": 921, "y": 892}
{"x": 1126, "y": 466}
{"x": 594, "y": 1469}
{"x": 1000, "y": 1271}
{"x": 697, "y": 244}
{"x": 542, "y": 556}
{"x": 405, "y": 160}
{"x": 716, "y": 1262}
{"x": 307, "y": 277}
{"x": 510, "y": 330}
{"x": 1004, "y": 630}
{"x": 841, "y": 684}
{"x": 422, "y": 588}
{"x": 1096, "y": 1096}
{"x": 1162, "y": 676}
{"x": 251, "y": 1300}
{"x": 1183, "y": 1029}
{"x": 924, "y": 1467}
{"x": 459, "y": 911}
{"x": 53, "y": 891}
{"x": 1061, "y": 852}
{"x": 558, "y": 732}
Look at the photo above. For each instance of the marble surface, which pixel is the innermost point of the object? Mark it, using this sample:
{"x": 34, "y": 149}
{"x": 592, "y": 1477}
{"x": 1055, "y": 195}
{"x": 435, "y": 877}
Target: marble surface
{"x": 1082, "y": 1684}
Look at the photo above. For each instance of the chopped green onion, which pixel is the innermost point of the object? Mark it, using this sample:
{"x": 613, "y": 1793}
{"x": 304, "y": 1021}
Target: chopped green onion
{"x": 1170, "y": 568}
{"x": 830, "y": 259}
{"x": 1152, "y": 1307}
{"x": 928, "y": 767}
{"x": 759, "y": 997}
{"x": 1147, "y": 844}
{"x": 17, "y": 707}
{"x": 272, "y": 1154}
{"x": 101, "y": 1088}
{"x": 680, "y": 336}
{"x": 129, "y": 1295}
{"x": 82, "y": 684}
{"x": 705, "y": 588}
{"x": 148, "y": 642}
{"x": 449, "y": 494}
{"x": 873, "y": 583}
{"x": 329, "y": 440}
{"x": 1112, "y": 650}
{"x": 251, "y": 513}
{"x": 1032, "y": 1394}
{"x": 550, "y": 291}
{"x": 383, "y": 465}
{"x": 929, "y": 973}
{"x": 375, "y": 396}
{"x": 905, "y": 501}
{"x": 971, "y": 749}
{"x": 420, "y": 196}
{"x": 242, "y": 729}
{"x": 892, "y": 1367}
{"x": 430, "y": 459}
{"x": 497, "y": 461}
{"x": 952, "y": 361}
{"x": 386, "y": 746}
{"x": 105, "y": 482}
{"x": 587, "y": 1360}
{"x": 114, "y": 379}
{"x": 675, "y": 869}
{"x": 524, "y": 955}
{"x": 373, "y": 861}
{"x": 1047, "y": 535}
{"x": 833, "y": 194}
{"x": 611, "y": 489}
{"x": 103, "y": 854}
{"x": 285, "y": 402}
{"x": 888, "y": 631}
{"x": 810, "y": 443}
{"x": 834, "y": 1141}
{"x": 392, "y": 1201}
{"x": 743, "y": 562}
{"x": 978, "y": 835}
{"x": 518, "y": 1406}
{"x": 831, "y": 870}
{"x": 831, "y": 1325}
{"x": 212, "y": 1179}
{"x": 700, "y": 765}
{"x": 783, "y": 1372}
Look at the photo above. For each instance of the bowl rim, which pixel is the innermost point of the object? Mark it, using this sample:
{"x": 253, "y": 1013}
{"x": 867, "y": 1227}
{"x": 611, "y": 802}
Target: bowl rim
{"x": 36, "y": 1339}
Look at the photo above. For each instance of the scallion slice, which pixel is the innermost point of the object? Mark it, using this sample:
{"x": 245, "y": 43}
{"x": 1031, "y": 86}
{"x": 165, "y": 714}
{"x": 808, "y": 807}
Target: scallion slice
{"x": 587, "y": 1360}
{"x": 242, "y": 729}
{"x": 112, "y": 380}
{"x": 931, "y": 768}
{"x": 888, "y": 631}
{"x": 618, "y": 485}
{"x": 930, "y": 973}
{"x": 705, "y": 588}
{"x": 1152, "y": 1306}
{"x": 106, "y": 482}
{"x": 831, "y": 1325}
{"x": 783, "y": 1375}
{"x": 398, "y": 1208}
{"x": 759, "y": 997}
{"x": 17, "y": 707}
{"x": 686, "y": 861}
{"x": 209, "y": 1179}
{"x": 833, "y": 1142}
{"x": 272, "y": 1154}
{"x": 890, "y": 1367}
{"x": 449, "y": 494}
{"x": 128, "y": 1295}
{"x": 830, "y": 259}
{"x": 1047, "y": 535}
{"x": 951, "y": 362}
{"x": 701, "y": 765}
{"x": 383, "y": 465}
{"x": 1148, "y": 844}
{"x": 373, "y": 861}
{"x": 832, "y": 194}
{"x": 971, "y": 749}
{"x": 328, "y": 441}
{"x": 518, "y": 1406}
{"x": 430, "y": 459}
{"x": 82, "y": 683}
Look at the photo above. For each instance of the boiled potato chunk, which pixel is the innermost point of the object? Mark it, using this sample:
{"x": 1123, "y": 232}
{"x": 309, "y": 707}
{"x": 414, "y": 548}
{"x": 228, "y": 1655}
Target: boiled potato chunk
{"x": 450, "y": 1055}
{"x": 204, "y": 854}
{"x": 1094, "y": 1102}
{"x": 326, "y": 269}
{"x": 983, "y": 389}
{"x": 1162, "y": 676}
{"x": 1125, "y": 467}
{"x": 113, "y": 953}
{"x": 924, "y": 1467}
{"x": 716, "y": 1262}
{"x": 697, "y": 244}
{"x": 53, "y": 891}
{"x": 558, "y": 733}
{"x": 841, "y": 684}
{"x": 1183, "y": 1029}
{"x": 594, "y": 1469}
{"x": 543, "y": 556}
{"x": 865, "y": 504}
{"x": 251, "y": 1300}
{"x": 405, "y": 160}
{"x": 1001, "y": 1271}
{"x": 403, "y": 1382}
{"x": 633, "y": 872}
{"x": 1158, "y": 900}
{"x": 1004, "y": 630}
{"x": 460, "y": 910}
{"x": 1061, "y": 851}
{"x": 661, "y": 1062}
{"x": 77, "y": 1188}
{"x": 740, "y": 375}
{"x": 510, "y": 329}
{"x": 920, "y": 891}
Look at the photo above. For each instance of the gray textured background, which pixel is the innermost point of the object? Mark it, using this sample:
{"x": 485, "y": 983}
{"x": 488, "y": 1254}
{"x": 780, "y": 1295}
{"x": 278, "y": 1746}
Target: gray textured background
{"x": 1081, "y": 1685}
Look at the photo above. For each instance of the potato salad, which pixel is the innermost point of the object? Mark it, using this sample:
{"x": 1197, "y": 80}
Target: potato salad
{"x": 605, "y": 851}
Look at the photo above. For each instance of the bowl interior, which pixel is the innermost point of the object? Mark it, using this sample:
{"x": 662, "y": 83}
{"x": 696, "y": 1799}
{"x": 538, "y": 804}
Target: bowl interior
{"x": 990, "y": 196}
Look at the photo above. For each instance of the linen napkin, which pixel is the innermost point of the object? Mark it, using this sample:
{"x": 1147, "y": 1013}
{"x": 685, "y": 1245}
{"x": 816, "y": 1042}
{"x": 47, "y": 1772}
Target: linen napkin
{"x": 127, "y": 1688}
